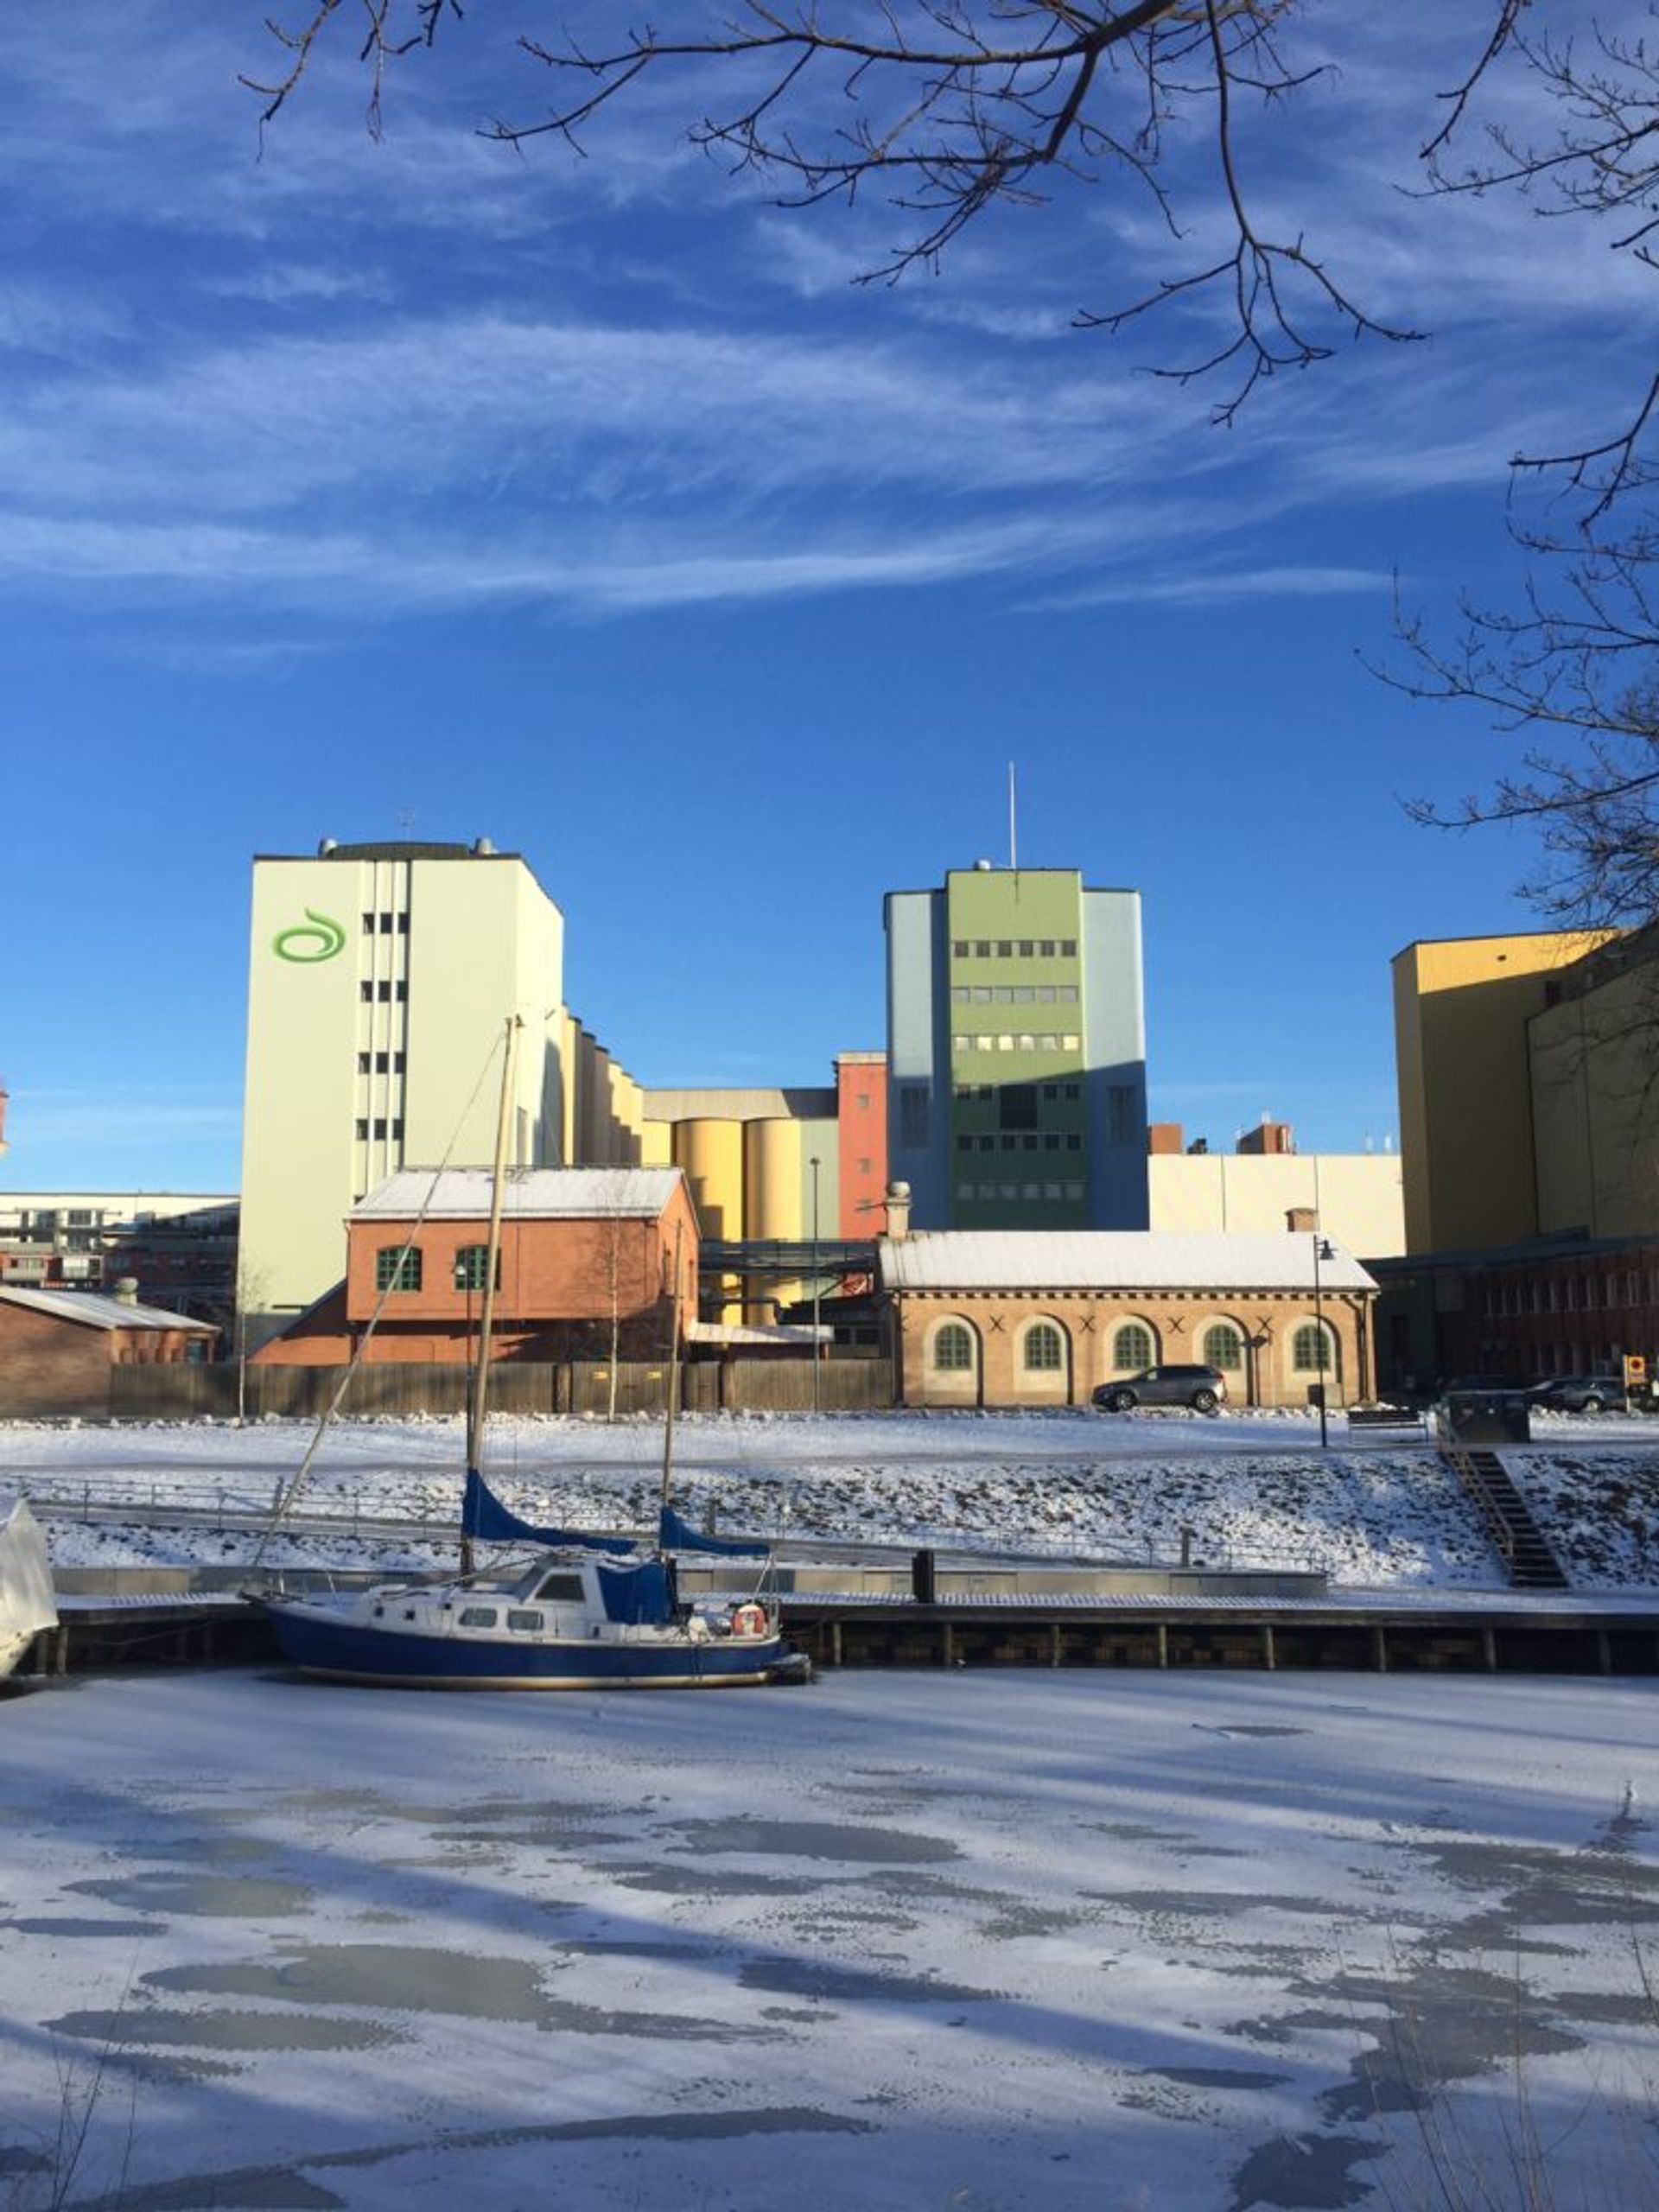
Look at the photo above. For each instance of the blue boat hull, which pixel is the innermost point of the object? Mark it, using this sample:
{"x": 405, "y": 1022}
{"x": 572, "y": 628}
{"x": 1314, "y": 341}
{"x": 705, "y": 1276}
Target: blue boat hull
{"x": 343, "y": 1650}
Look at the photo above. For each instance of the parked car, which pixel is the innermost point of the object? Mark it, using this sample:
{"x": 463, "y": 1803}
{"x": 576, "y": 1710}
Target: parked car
{"x": 1201, "y": 1388}
{"x": 1578, "y": 1393}
{"x": 1477, "y": 1386}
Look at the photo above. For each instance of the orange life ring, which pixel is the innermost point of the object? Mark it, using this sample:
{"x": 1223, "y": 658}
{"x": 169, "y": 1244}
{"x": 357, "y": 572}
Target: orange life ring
{"x": 750, "y": 1620}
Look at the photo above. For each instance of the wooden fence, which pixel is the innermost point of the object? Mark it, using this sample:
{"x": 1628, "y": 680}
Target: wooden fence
{"x": 400, "y": 1390}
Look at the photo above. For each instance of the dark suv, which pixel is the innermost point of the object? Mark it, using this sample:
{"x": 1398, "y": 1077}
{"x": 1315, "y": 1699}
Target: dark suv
{"x": 1579, "y": 1394}
{"x": 1201, "y": 1388}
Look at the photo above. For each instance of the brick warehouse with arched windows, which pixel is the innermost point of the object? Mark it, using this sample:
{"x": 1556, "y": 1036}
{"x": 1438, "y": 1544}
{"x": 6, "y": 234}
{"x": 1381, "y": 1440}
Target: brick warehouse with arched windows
{"x": 1004, "y": 1318}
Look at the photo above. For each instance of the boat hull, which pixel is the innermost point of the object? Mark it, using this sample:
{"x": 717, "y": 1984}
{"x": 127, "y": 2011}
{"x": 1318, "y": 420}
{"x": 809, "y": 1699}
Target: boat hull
{"x": 339, "y": 1649}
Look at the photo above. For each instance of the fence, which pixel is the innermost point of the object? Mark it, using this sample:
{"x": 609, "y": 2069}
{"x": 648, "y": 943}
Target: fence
{"x": 400, "y": 1390}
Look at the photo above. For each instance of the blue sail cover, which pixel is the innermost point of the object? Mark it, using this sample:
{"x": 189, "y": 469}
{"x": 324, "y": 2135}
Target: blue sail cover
{"x": 674, "y": 1535}
{"x": 483, "y": 1516}
{"x": 639, "y": 1593}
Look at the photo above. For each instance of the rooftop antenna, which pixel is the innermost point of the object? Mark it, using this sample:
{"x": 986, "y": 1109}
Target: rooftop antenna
{"x": 1013, "y": 848}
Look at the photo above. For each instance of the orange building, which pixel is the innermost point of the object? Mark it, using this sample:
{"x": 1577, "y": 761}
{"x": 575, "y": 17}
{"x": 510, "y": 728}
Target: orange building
{"x": 589, "y": 1257}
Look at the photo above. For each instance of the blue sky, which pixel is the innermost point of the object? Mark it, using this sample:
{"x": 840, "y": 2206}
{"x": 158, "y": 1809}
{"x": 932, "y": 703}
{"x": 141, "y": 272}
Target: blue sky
{"x": 424, "y": 488}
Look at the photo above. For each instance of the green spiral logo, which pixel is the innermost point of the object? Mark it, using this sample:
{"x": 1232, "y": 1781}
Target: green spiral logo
{"x": 319, "y": 937}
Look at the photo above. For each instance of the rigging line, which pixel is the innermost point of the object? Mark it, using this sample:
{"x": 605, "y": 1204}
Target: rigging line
{"x": 290, "y": 1497}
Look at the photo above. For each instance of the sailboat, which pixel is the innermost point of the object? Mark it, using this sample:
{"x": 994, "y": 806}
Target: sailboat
{"x": 584, "y": 1612}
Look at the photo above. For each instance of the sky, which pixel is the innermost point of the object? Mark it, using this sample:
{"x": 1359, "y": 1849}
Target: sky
{"x": 421, "y": 487}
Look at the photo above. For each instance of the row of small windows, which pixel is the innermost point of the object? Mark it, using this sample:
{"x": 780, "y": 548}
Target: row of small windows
{"x": 397, "y": 1267}
{"x": 386, "y": 924}
{"x": 1013, "y": 995}
{"x": 382, "y": 989}
{"x": 378, "y": 1127}
{"x": 379, "y": 1064}
{"x": 1011, "y": 948}
{"x": 1007, "y": 1043}
{"x": 1573, "y": 1293}
{"x": 988, "y": 1192}
{"x": 1054, "y": 1140}
{"x": 1313, "y": 1348}
{"x": 985, "y": 1091}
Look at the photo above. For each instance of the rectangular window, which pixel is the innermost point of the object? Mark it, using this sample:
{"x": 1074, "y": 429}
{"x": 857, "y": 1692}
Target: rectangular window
{"x": 1004, "y": 1043}
{"x": 1045, "y": 946}
{"x": 964, "y": 1144}
{"x": 1074, "y": 1144}
{"x": 403, "y": 925}
{"x": 983, "y": 995}
{"x": 1017, "y": 1106}
{"x": 1074, "y": 1191}
{"x": 983, "y": 948}
{"x": 1071, "y": 1042}
{"x": 386, "y": 924}
{"x": 362, "y": 1132}
{"x": 368, "y": 925}
{"x": 366, "y": 990}
{"x": 1026, "y": 947}
{"x": 1121, "y": 1122}
{"x": 1069, "y": 993}
{"x": 363, "y": 1063}
{"x": 1023, "y": 995}
{"x": 1046, "y": 994}
{"x": 1004, "y": 949}
{"x": 1051, "y": 1143}
{"x": 471, "y": 1261}
{"x": 960, "y": 994}
{"x": 380, "y": 1129}
{"x": 1072, "y": 1090}
{"x": 1068, "y": 948}
{"x": 866, "y": 1166}
{"x": 988, "y": 1144}
{"x": 397, "y": 1267}
{"x": 959, "y": 948}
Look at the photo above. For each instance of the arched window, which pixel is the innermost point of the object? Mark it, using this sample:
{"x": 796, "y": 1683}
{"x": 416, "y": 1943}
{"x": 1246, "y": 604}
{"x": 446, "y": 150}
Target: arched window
{"x": 1311, "y": 1351}
{"x": 953, "y": 1348}
{"x": 1045, "y": 1348}
{"x": 397, "y": 1267}
{"x": 1132, "y": 1346}
{"x": 1223, "y": 1347}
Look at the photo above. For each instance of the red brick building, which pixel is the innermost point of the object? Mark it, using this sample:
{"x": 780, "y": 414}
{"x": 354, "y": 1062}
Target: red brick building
{"x": 57, "y": 1348}
{"x": 581, "y": 1249}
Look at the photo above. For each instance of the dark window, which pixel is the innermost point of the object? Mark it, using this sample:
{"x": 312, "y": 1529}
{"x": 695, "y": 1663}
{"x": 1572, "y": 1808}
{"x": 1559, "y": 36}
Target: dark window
{"x": 561, "y": 1589}
{"x": 362, "y": 1132}
{"x": 397, "y": 1267}
{"x": 471, "y": 1262}
{"x": 1017, "y": 1106}
{"x": 363, "y": 1062}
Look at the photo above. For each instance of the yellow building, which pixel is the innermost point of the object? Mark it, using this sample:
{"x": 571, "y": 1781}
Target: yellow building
{"x": 1462, "y": 1007}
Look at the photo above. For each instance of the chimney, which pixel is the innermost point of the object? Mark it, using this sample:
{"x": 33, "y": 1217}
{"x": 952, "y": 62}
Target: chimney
{"x": 1302, "y": 1220}
{"x": 126, "y": 1291}
{"x": 1164, "y": 1136}
{"x": 898, "y": 1204}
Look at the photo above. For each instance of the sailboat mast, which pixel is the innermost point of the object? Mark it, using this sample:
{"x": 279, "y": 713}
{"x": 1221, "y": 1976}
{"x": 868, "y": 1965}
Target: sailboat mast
{"x": 477, "y": 1396}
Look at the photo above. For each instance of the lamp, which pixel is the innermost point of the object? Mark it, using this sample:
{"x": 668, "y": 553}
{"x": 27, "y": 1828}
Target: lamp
{"x": 1323, "y": 1250}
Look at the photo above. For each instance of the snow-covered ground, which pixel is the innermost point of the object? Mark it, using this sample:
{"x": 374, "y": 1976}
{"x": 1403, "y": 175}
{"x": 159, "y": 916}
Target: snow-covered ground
{"x": 986, "y": 1941}
{"x": 964, "y": 1942}
{"x": 1253, "y": 1488}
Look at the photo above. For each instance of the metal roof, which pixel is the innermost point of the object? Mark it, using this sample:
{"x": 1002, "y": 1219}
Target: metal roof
{"x": 527, "y": 1194}
{"x": 1113, "y": 1259}
{"x": 96, "y": 1312}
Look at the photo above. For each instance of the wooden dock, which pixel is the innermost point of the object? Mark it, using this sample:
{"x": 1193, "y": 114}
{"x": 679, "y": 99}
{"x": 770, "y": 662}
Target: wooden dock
{"x": 988, "y": 1617}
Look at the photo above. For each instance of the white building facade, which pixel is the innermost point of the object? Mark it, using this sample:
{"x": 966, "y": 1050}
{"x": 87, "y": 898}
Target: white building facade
{"x": 381, "y": 978}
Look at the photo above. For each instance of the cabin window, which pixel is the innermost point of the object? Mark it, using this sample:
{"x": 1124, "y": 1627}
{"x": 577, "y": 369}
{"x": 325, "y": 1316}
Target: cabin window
{"x": 561, "y": 1588}
{"x": 953, "y": 1348}
{"x": 476, "y": 1617}
{"x": 519, "y": 1616}
{"x": 1045, "y": 1351}
{"x": 1132, "y": 1346}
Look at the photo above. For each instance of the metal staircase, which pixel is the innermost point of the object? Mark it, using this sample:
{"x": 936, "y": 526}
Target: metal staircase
{"x": 1519, "y": 1541}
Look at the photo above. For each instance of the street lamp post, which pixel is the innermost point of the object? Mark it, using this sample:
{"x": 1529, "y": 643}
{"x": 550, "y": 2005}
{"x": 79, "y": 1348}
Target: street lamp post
{"x": 1323, "y": 1250}
{"x": 813, "y": 1164}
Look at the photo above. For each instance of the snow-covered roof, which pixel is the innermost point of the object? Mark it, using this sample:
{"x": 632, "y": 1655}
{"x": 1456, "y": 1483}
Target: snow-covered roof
{"x": 97, "y": 1311}
{"x": 527, "y": 1193}
{"x": 1112, "y": 1259}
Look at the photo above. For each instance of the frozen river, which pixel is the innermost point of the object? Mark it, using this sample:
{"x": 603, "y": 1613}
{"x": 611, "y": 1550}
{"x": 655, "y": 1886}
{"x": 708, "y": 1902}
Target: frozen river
{"x": 986, "y": 1940}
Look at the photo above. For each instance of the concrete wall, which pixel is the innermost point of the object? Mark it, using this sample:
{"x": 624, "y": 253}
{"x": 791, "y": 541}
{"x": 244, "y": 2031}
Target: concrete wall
{"x": 343, "y": 1088}
{"x": 1359, "y": 1198}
